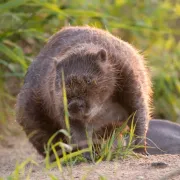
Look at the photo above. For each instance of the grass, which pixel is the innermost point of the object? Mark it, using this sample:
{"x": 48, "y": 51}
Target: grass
{"x": 108, "y": 149}
{"x": 112, "y": 148}
{"x": 20, "y": 170}
{"x": 25, "y": 25}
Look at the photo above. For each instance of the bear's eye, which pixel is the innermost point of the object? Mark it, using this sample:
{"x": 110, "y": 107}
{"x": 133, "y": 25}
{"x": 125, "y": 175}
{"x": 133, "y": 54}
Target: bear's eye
{"x": 88, "y": 81}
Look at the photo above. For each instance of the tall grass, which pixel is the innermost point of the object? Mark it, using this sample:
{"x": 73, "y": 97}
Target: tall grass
{"x": 113, "y": 147}
{"x": 151, "y": 26}
{"x": 110, "y": 149}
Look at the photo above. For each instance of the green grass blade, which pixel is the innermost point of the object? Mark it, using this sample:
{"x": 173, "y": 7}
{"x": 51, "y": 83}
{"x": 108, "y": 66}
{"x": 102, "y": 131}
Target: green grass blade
{"x": 11, "y": 4}
{"x": 13, "y": 56}
{"x": 57, "y": 159}
{"x": 65, "y": 103}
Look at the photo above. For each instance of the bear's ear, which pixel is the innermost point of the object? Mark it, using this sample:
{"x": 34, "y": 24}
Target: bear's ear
{"x": 102, "y": 55}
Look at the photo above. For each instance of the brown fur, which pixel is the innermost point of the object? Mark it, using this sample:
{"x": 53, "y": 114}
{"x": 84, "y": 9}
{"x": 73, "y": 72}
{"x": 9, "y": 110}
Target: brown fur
{"x": 106, "y": 81}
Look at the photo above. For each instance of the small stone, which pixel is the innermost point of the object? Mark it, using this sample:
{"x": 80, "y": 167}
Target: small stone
{"x": 140, "y": 177}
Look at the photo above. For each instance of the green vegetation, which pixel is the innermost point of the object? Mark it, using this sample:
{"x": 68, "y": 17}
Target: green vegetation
{"x": 110, "y": 149}
{"x": 113, "y": 147}
{"x": 151, "y": 26}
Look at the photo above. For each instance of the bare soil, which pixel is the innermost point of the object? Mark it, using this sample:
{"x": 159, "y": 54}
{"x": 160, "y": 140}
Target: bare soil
{"x": 17, "y": 149}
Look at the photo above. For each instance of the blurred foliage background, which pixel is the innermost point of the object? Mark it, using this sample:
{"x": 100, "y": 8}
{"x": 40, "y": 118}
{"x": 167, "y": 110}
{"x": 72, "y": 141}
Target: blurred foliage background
{"x": 153, "y": 26}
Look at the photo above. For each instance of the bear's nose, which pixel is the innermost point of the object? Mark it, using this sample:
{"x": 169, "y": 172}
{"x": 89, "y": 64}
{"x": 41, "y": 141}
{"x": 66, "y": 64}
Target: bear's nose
{"x": 76, "y": 106}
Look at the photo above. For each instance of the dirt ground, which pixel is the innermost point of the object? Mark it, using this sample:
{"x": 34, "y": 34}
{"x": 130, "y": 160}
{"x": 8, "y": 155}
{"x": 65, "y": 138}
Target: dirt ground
{"x": 17, "y": 149}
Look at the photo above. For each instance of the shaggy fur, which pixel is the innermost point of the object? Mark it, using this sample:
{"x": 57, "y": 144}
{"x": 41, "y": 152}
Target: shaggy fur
{"x": 106, "y": 81}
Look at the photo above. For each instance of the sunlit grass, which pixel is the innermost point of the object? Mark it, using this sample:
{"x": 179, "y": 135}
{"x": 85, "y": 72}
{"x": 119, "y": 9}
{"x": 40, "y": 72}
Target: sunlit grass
{"x": 19, "y": 171}
{"x": 107, "y": 149}
{"x": 24, "y": 26}
{"x": 28, "y": 24}
{"x": 110, "y": 149}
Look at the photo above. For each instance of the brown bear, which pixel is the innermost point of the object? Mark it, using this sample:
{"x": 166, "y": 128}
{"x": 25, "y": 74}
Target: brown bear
{"x": 106, "y": 81}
